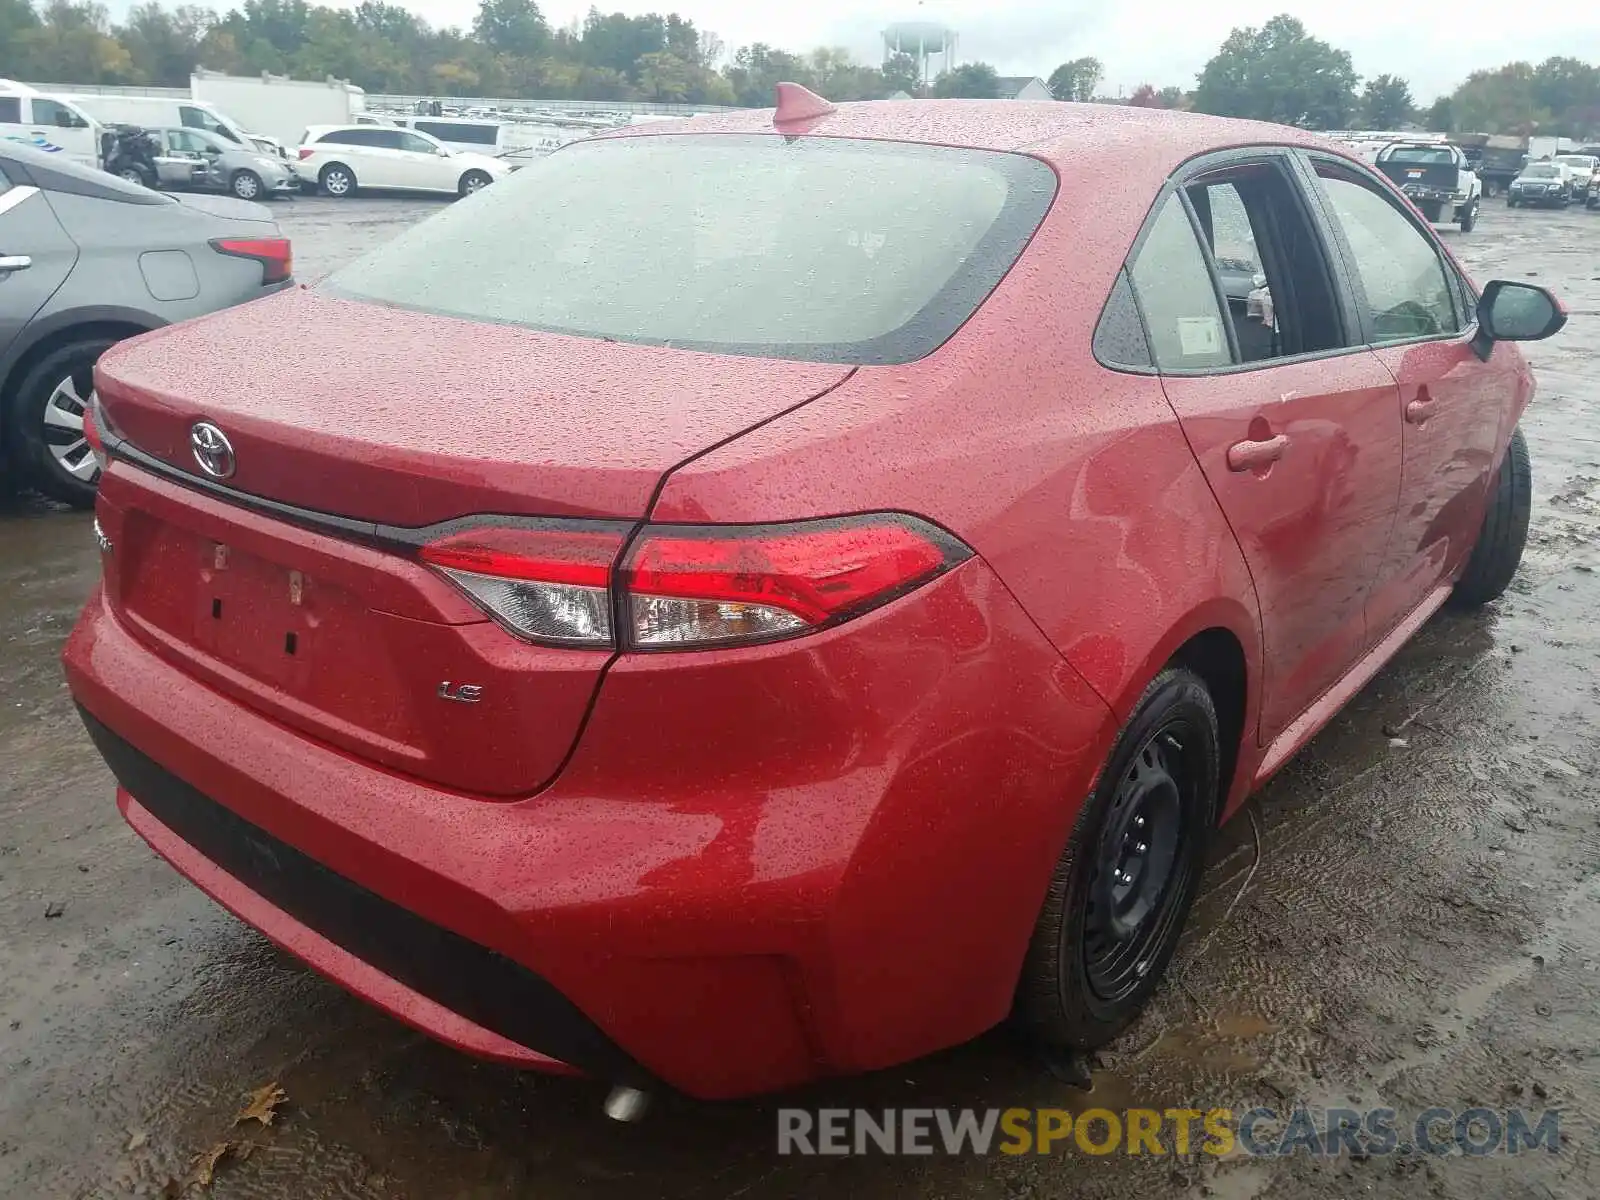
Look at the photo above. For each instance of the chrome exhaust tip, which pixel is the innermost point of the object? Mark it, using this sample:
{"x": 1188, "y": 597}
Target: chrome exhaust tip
{"x": 626, "y": 1104}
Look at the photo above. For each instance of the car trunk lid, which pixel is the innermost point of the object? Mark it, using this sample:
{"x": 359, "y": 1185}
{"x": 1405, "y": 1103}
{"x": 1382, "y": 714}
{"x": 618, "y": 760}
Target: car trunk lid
{"x": 403, "y": 418}
{"x": 360, "y": 418}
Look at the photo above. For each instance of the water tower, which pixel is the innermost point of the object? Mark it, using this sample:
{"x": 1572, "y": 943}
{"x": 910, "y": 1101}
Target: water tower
{"x": 924, "y": 41}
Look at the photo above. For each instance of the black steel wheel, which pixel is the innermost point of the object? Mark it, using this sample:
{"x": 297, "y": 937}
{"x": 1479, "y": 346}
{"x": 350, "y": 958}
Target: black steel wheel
{"x": 1125, "y": 882}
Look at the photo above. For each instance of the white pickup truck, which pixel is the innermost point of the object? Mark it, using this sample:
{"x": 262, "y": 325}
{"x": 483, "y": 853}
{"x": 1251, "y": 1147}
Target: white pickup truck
{"x": 1437, "y": 178}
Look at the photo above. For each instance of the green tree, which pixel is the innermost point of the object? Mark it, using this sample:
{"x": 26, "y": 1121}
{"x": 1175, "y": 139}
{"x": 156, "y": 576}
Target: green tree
{"x": 73, "y": 43}
{"x": 900, "y": 75}
{"x": 663, "y": 76}
{"x": 511, "y": 27}
{"x": 1441, "y": 115}
{"x": 1171, "y": 97}
{"x": 1386, "y": 103}
{"x": 1145, "y": 96}
{"x": 1279, "y": 73}
{"x": 164, "y": 44}
{"x": 1499, "y": 101}
{"x": 971, "y": 81}
{"x": 17, "y": 24}
{"x": 757, "y": 69}
{"x": 1077, "y": 80}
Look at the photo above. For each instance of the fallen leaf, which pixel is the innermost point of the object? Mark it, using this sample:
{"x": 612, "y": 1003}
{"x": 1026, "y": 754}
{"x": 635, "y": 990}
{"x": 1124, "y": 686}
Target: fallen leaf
{"x": 205, "y": 1166}
{"x": 263, "y": 1105}
{"x": 136, "y": 1138}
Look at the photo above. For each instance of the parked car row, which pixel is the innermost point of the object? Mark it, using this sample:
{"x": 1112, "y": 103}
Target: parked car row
{"x": 1557, "y": 182}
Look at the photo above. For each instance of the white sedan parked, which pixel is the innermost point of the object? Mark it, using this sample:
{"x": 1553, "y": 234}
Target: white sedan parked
{"x": 341, "y": 158}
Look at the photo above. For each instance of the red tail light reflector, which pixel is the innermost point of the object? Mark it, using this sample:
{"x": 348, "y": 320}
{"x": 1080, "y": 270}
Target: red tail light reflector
{"x": 547, "y": 584}
{"x": 717, "y": 585}
{"x": 274, "y": 255}
{"x": 305, "y": 152}
{"x": 689, "y": 586}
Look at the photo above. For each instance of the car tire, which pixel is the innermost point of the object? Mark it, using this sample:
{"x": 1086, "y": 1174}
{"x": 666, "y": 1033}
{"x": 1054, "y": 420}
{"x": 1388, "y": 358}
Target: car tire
{"x": 337, "y": 180}
{"x": 1504, "y": 532}
{"x": 1469, "y": 218}
{"x": 44, "y": 423}
{"x": 138, "y": 175}
{"x": 246, "y": 185}
{"x": 474, "y": 181}
{"x": 1093, "y": 962}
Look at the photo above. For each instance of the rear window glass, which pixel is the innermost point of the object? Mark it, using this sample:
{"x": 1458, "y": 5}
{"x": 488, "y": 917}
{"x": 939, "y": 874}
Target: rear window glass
{"x": 824, "y": 249}
{"x": 1421, "y": 156}
{"x": 474, "y": 135}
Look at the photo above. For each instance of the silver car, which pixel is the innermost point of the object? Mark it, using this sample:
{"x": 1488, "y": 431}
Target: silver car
{"x": 199, "y": 158}
{"x": 87, "y": 259}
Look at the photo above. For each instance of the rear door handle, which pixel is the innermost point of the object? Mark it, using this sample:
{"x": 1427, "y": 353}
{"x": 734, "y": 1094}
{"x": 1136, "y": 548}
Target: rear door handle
{"x": 1420, "y": 409}
{"x": 14, "y": 262}
{"x": 1252, "y": 456}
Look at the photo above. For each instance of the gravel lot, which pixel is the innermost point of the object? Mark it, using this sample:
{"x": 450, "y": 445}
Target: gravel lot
{"x": 1422, "y": 926}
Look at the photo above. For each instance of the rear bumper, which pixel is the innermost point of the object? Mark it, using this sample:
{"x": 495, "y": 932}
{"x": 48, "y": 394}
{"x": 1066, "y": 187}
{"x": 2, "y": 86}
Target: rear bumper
{"x": 759, "y": 867}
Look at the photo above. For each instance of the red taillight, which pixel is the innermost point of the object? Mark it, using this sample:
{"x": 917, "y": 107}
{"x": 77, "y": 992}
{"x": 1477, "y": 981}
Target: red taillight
{"x": 692, "y": 586}
{"x": 305, "y": 152}
{"x": 274, "y": 255}
{"x": 708, "y": 585}
{"x": 546, "y": 582}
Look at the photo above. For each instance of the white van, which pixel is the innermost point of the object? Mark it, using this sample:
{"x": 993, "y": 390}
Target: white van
{"x": 48, "y": 123}
{"x": 167, "y": 112}
{"x": 462, "y": 133}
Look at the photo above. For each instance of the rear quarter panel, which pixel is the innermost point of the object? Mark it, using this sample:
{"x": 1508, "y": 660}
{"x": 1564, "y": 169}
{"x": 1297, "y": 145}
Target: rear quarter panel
{"x": 112, "y": 237}
{"x": 1073, "y": 481}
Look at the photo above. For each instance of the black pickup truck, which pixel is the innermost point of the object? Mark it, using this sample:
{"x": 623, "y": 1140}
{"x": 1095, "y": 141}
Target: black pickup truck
{"x": 1437, "y": 178}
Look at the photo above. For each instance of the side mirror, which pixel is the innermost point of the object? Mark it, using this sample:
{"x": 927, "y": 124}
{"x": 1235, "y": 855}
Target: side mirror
{"x": 444, "y": 152}
{"x": 1516, "y": 312}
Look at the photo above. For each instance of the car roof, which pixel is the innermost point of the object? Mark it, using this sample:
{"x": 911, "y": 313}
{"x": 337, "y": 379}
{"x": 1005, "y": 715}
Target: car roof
{"x": 1053, "y": 130}
{"x": 53, "y": 172}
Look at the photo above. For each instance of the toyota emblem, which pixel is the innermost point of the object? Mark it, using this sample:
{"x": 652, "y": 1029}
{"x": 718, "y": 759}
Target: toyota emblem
{"x": 212, "y": 450}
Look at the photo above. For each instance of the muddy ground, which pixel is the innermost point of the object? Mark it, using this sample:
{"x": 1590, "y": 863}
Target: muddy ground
{"x": 1422, "y": 927}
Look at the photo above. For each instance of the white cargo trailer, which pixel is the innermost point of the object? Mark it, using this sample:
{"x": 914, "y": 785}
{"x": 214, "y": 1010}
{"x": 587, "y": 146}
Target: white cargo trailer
{"x": 282, "y": 107}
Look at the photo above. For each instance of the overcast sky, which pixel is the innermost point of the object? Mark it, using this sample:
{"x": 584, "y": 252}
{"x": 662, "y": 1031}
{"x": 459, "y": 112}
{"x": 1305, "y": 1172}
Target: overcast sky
{"x": 1434, "y": 45}
{"x": 1162, "y": 42}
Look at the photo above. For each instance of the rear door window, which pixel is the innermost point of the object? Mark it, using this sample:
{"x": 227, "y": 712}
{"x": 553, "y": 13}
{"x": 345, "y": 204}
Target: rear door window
{"x": 1177, "y": 296}
{"x": 10, "y": 110}
{"x": 826, "y": 249}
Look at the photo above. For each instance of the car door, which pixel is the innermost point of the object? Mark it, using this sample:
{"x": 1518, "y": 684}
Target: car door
{"x": 425, "y": 168}
{"x": 1292, "y": 420}
{"x": 175, "y": 160}
{"x": 1453, "y": 407}
{"x": 36, "y": 256}
{"x": 56, "y": 128}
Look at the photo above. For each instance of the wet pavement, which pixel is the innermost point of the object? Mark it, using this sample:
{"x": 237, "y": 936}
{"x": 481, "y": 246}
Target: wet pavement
{"x": 1417, "y": 925}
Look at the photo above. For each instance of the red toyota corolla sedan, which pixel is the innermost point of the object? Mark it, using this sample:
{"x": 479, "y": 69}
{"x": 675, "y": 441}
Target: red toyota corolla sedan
{"x": 776, "y": 595}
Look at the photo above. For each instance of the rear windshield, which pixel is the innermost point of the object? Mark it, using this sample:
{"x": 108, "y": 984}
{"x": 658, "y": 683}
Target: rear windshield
{"x": 824, "y": 249}
{"x": 1420, "y": 155}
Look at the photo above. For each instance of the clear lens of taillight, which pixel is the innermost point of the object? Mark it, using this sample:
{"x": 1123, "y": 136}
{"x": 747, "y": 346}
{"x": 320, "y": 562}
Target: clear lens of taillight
{"x": 689, "y": 586}
{"x": 547, "y": 583}
{"x": 94, "y": 428}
